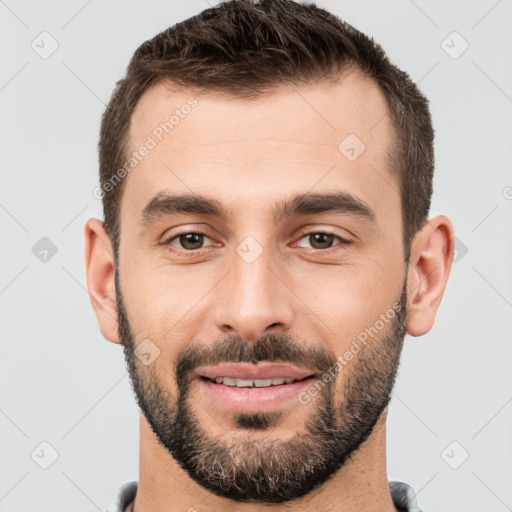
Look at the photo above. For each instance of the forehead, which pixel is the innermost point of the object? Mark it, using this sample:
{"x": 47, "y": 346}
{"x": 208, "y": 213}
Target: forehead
{"x": 317, "y": 112}
{"x": 296, "y": 138}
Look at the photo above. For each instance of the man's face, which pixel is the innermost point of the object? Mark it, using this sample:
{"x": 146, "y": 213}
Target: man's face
{"x": 313, "y": 293}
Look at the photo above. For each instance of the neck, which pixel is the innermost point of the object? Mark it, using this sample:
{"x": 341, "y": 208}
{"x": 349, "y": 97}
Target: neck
{"x": 361, "y": 484}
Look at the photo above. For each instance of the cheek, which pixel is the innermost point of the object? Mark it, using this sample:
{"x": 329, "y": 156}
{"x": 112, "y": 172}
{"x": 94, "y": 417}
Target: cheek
{"x": 165, "y": 304}
{"x": 344, "y": 300}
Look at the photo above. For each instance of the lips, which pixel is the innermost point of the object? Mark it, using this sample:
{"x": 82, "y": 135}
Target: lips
{"x": 250, "y": 372}
{"x": 252, "y": 383}
{"x": 245, "y": 387}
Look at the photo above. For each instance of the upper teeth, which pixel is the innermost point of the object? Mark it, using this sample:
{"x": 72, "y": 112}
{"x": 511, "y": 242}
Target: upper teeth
{"x": 243, "y": 383}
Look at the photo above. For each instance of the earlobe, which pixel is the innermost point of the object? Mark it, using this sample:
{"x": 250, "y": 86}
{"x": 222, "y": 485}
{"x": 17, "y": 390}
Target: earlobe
{"x": 429, "y": 269}
{"x": 100, "y": 272}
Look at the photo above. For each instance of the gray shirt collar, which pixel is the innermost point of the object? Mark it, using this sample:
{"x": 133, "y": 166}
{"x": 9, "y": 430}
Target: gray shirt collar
{"x": 403, "y": 495}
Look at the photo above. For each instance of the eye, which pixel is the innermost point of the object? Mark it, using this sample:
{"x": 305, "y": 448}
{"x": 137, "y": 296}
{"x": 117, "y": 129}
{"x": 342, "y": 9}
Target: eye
{"x": 323, "y": 240}
{"x": 194, "y": 240}
{"x": 188, "y": 241}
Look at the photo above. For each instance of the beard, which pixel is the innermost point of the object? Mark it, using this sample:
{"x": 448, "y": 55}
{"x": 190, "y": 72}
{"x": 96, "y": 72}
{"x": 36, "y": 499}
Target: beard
{"x": 247, "y": 466}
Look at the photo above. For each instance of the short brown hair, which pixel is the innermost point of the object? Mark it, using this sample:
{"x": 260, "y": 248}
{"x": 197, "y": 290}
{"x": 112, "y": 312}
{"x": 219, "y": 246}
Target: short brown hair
{"x": 245, "y": 48}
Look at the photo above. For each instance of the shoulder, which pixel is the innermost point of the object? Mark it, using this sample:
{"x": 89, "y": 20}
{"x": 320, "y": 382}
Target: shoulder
{"x": 404, "y": 497}
{"x": 123, "y": 497}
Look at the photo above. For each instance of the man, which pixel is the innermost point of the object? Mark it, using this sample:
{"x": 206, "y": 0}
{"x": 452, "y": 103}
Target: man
{"x": 266, "y": 177}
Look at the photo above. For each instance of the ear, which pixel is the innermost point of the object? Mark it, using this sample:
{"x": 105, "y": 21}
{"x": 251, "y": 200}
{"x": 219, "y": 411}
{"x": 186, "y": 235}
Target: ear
{"x": 100, "y": 271}
{"x": 430, "y": 264}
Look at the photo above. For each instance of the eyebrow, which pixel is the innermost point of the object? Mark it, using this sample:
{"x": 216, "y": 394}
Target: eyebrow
{"x": 165, "y": 204}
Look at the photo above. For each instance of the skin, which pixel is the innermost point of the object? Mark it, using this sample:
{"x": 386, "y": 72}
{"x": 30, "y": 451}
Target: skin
{"x": 249, "y": 155}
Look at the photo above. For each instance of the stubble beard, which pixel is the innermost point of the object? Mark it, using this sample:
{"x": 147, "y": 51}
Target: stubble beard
{"x": 249, "y": 466}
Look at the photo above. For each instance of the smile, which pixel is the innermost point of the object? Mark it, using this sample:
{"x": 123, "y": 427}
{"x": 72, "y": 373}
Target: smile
{"x": 245, "y": 387}
{"x": 257, "y": 383}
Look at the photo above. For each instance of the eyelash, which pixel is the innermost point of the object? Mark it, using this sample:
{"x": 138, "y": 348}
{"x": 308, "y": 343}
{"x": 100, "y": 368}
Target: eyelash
{"x": 193, "y": 252}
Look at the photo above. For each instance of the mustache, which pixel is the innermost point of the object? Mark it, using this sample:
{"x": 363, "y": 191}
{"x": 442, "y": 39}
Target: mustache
{"x": 269, "y": 348}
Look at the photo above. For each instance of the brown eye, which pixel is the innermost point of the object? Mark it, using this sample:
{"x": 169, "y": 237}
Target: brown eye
{"x": 320, "y": 240}
{"x": 189, "y": 241}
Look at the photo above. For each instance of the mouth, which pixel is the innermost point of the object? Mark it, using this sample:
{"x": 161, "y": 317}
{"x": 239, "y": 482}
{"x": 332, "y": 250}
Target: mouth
{"x": 250, "y": 383}
{"x": 244, "y": 387}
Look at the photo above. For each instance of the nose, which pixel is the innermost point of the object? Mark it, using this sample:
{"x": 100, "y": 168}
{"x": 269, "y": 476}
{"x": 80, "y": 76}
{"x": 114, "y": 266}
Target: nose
{"x": 253, "y": 300}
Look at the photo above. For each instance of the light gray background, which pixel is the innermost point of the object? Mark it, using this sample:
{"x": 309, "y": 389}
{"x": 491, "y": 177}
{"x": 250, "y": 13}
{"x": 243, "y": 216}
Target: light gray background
{"x": 62, "y": 383}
